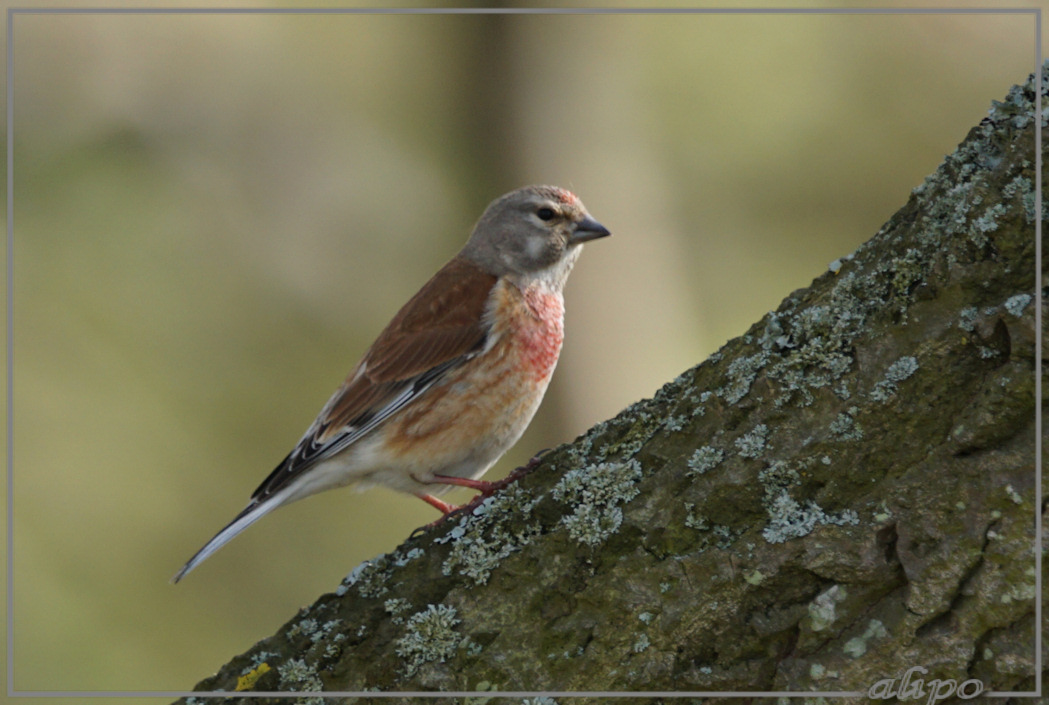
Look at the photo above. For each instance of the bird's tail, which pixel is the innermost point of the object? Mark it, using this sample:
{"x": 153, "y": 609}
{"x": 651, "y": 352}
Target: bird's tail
{"x": 251, "y": 514}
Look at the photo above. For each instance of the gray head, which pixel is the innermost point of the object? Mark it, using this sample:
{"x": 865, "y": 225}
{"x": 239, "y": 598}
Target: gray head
{"x": 533, "y": 232}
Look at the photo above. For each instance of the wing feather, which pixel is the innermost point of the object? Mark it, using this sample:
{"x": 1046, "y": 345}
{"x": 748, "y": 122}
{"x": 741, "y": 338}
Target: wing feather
{"x": 439, "y": 328}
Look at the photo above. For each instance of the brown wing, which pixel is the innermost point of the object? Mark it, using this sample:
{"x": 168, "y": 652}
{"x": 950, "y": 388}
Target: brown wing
{"x": 439, "y": 328}
{"x": 440, "y": 324}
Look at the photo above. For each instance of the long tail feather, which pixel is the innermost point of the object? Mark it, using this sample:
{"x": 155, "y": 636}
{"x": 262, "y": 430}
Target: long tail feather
{"x": 251, "y": 514}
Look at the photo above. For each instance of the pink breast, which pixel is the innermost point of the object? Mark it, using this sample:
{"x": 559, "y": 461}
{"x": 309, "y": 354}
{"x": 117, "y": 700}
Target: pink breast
{"x": 542, "y": 332}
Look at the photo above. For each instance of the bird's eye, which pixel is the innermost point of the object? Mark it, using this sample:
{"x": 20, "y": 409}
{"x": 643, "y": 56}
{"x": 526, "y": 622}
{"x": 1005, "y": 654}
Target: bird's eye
{"x": 545, "y": 213}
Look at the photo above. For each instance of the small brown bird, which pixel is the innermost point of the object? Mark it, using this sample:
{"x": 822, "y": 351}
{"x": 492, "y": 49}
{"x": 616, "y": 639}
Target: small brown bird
{"x": 456, "y": 376}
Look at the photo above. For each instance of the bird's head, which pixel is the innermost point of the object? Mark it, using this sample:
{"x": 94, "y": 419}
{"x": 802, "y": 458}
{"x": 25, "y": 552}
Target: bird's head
{"x": 535, "y": 231}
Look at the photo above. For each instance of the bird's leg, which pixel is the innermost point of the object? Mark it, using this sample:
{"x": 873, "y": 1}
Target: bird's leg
{"x": 485, "y": 488}
{"x": 443, "y": 507}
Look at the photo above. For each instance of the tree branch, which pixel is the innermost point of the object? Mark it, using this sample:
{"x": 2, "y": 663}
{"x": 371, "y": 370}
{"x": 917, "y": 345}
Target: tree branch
{"x": 842, "y": 493}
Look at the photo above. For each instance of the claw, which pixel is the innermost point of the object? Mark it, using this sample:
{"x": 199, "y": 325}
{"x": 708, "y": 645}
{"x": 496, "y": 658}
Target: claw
{"x": 484, "y": 488}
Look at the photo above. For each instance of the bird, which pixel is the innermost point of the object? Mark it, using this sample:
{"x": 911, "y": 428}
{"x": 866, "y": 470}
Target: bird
{"x": 455, "y": 378}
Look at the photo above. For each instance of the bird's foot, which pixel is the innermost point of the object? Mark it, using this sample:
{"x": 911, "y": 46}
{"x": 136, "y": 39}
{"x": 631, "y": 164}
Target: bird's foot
{"x": 484, "y": 488}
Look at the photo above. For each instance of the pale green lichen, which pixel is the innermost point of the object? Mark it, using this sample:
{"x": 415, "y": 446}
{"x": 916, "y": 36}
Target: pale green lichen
{"x": 593, "y": 524}
{"x": 740, "y": 375}
{"x": 1015, "y": 305}
{"x": 986, "y": 223}
{"x": 714, "y": 535}
{"x": 396, "y": 607}
{"x": 325, "y": 629}
{"x": 305, "y": 626}
{"x": 297, "y": 675}
{"x": 883, "y": 513}
{"x": 595, "y": 493}
{"x": 755, "y": 577}
{"x": 778, "y": 475}
{"x": 907, "y": 271}
{"x": 400, "y": 560}
{"x": 1022, "y": 185}
{"x": 704, "y": 459}
{"x": 807, "y": 346}
{"x": 259, "y": 658}
{"x": 815, "y": 348}
{"x": 1024, "y": 591}
{"x": 897, "y": 372}
{"x": 753, "y": 443}
{"x": 472, "y": 647}
{"x": 333, "y": 648}
{"x": 817, "y": 671}
{"x": 857, "y": 646}
{"x": 823, "y": 609}
{"x": 371, "y": 576}
{"x": 429, "y": 636}
{"x": 967, "y": 318}
{"x": 789, "y": 520}
{"x": 692, "y": 521}
{"x": 483, "y": 538}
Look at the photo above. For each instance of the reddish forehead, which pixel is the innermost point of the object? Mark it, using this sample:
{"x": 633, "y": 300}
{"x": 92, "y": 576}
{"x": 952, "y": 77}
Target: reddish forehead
{"x": 567, "y": 197}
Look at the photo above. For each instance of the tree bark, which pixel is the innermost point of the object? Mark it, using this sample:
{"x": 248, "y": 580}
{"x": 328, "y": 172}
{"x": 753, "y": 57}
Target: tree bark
{"x": 843, "y": 493}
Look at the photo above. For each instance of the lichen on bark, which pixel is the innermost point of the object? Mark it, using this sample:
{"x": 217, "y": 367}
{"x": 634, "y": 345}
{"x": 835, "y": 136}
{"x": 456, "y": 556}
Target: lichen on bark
{"x": 842, "y": 493}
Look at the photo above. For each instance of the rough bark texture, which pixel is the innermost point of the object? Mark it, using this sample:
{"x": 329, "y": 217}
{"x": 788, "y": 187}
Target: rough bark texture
{"x": 842, "y": 493}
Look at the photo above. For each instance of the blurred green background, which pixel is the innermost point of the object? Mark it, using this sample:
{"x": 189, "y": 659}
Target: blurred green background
{"x": 215, "y": 214}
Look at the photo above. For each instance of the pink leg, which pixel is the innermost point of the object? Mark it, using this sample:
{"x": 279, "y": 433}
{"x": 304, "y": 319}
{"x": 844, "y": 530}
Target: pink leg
{"x": 442, "y": 507}
{"x": 486, "y": 489}
{"x": 479, "y": 485}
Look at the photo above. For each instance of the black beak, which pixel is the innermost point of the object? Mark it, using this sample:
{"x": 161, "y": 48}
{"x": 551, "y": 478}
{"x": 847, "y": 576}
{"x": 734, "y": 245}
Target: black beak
{"x": 586, "y": 230}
